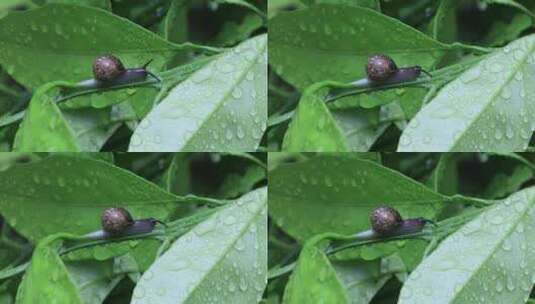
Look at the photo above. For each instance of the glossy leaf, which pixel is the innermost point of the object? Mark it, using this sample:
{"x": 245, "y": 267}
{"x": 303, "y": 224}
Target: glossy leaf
{"x": 359, "y": 131}
{"x": 60, "y": 41}
{"x": 44, "y": 128}
{"x": 313, "y": 128}
{"x": 221, "y": 107}
{"x": 70, "y": 194}
{"x": 373, "y": 4}
{"x": 444, "y": 23}
{"x": 326, "y": 42}
{"x": 490, "y": 107}
{"x": 314, "y": 280}
{"x": 489, "y": 260}
{"x": 327, "y": 193}
{"x": 47, "y": 279}
{"x": 104, "y": 4}
{"x": 504, "y": 32}
{"x": 221, "y": 260}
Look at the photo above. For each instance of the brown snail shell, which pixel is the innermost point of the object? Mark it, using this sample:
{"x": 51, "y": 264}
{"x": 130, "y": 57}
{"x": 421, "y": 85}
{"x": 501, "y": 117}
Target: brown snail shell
{"x": 107, "y": 68}
{"x": 116, "y": 220}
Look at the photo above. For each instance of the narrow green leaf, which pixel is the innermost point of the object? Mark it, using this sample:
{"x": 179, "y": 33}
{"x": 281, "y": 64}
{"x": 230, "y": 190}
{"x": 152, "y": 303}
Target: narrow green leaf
{"x": 60, "y": 42}
{"x": 221, "y": 107}
{"x": 444, "y": 23}
{"x": 490, "y": 107}
{"x": 47, "y": 279}
{"x": 489, "y": 260}
{"x": 313, "y": 128}
{"x": 70, "y": 194}
{"x": 327, "y": 42}
{"x": 326, "y": 193}
{"x": 221, "y": 260}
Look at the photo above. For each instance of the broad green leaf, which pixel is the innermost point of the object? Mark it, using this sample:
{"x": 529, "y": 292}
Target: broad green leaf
{"x": 314, "y": 279}
{"x": 47, "y": 279}
{"x": 313, "y": 128}
{"x": 221, "y": 107}
{"x": 489, "y": 260}
{"x": 70, "y": 194}
{"x": 490, "y": 107}
{"x": 60, "y": 42}
{"x": 326, "y": 42}
{"x": 44, "y": 128}
{"x": 326, "y": 193}
{"x": 222, "y": 260}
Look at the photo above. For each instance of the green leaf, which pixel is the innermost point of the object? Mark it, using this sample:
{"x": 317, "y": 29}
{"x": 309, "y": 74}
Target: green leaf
{"x": 175, "y": 24}
{"x": 372, "y": 4}
{"x": 91, "y": 127}
{"x": 223, "y": 259}
{"x": 104, "y": 4}
{"x": 314, "y": 280}
{"x": 326, "y": 193}
{"x": 490, "y": 259}
{"x": 359, "y": 131}
{"x": 313, "y": 128}
{"x": 221, "y": 107}
{"x": 503, "y": 184}
{"x": 444, "y": 23}
{"x": 44, "y": 128}
{"x": 71, "y": 193}
{"x": 513, "y": 4}
{"x": 94, "y": 279}
{"x": 502, "y": 32}
{"x": 36, "y": 50}
{"x": 233, "y": 32}
{"x": 326, "y": 42}
{"x": 490, "y": 107}
{"x": 47, "y": 279}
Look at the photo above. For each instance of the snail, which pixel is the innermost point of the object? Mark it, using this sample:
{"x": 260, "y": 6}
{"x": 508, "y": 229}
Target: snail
{"x": 117, "y": 222}
{"x": 109, "y": 69}
{"x": 381, "y": 69}
{"x": 387, "y": 222}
